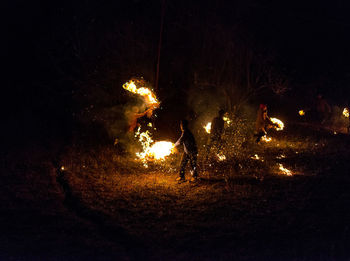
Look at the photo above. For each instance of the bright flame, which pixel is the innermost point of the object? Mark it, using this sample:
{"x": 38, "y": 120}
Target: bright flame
{"x": 207, "y": 127}
{"x": 221, "y": 157}
{"x": 62, "y": 168}
{"x": 346, "y": 112}
{"x": 153, "y": 150}
{"x": 301, "y": 112}
{"x": 158, "y": 151}
{"x": 150, "y": 124}
{"x": 266, "y": 139}
{"x": 146, "y": 93}
{"x": 278, "y": 122}
{"x": 284, "y": 170}
{"x": 256, "y": 157}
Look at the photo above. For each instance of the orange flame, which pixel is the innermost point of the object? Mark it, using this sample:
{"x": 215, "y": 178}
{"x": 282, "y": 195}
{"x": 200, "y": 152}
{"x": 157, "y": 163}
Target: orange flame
{"x": 146, "y": 93}
{"x": 346, "y": 112}
{"x": 153, "y": 150}
{"x": 284, "y": 170}
{"x": 278, "y": 122}
{"x": 207, "y": 127}
{"x": 301, "y": 112}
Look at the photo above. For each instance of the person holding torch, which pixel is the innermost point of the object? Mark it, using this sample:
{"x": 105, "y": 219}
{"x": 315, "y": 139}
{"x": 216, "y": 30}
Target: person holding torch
{"x": 263, "y": 123}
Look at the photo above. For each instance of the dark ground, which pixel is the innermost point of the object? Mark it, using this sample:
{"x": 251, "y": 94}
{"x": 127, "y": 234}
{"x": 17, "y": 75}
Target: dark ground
{"x": 114, "y": 212}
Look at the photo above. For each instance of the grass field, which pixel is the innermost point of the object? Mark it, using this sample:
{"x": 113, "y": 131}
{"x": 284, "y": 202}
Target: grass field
{"x": 106, "y": 206}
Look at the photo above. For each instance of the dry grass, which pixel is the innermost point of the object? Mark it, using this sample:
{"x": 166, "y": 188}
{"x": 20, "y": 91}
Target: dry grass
{"x": 237, "y": 203}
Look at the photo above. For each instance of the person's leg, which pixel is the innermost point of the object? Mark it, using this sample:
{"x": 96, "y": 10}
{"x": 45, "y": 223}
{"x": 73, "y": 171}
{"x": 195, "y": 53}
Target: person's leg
{"x": 193, "y": 162}
{"x": 184, "y": 161}
{"x": 259, "y": 136}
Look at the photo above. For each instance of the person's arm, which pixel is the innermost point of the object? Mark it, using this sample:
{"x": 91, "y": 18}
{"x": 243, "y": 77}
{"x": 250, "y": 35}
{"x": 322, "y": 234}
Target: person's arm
{"x": 179, "y": 141}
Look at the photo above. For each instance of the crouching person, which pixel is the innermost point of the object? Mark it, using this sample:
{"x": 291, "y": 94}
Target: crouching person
{"x": 190, "y": 152}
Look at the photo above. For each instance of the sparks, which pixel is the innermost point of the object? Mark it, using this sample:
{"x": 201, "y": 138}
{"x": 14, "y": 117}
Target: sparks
{"x": 278, "y": 122}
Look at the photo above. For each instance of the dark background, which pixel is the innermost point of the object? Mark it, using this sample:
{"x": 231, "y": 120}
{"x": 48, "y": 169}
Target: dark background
{"x": 65, "y": 61}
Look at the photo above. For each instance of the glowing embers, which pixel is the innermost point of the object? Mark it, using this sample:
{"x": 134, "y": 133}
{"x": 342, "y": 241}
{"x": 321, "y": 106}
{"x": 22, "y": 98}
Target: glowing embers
{"x": 221, "y": 157}
{"x": 279, "y": 123}
{"x": 284, "y": 171}
{"x": 301, "y": 112}
{"x": 266, "y": 139}
{"x": 346, "y": 112}
{"x": 146, "y": 93}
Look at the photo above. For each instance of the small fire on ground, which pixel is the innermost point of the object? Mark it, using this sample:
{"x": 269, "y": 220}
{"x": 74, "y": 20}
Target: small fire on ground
{"x": 284, "y": 170}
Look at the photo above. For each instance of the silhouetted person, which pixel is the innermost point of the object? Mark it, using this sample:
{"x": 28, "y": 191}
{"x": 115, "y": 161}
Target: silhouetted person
{"x": 263, "y": 123}
{"x": 134, "y": 115}
{"x": 217, "y": 128}
{"x": 190, "y": 152}
{"x": 323, "y": 109}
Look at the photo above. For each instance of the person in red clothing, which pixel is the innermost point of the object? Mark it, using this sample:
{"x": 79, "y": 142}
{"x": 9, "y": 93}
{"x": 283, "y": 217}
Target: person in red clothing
{"x": 263, "y": 123}
{"x": 323, "y": 109}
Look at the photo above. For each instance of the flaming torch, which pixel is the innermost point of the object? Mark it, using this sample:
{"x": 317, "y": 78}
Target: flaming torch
{"x": 346, "y": 112}
{"x": 278, "y": 122}
{"x": 146, "y": 93}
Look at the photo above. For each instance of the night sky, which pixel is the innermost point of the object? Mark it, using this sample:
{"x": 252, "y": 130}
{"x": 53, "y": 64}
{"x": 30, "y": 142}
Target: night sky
{"x": 60, "y": 56}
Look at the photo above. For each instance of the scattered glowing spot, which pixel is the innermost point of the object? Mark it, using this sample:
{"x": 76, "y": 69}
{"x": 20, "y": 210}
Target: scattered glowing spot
{"x": 256, "y": 157}
{"x": 62, "y": 168}
{"x": 266, "y": 139}
{"x": 227, "y": 120}
{"x": 221, "y": 157}
{"x": 282, "y": 156}
{"x": 301, "y": 112}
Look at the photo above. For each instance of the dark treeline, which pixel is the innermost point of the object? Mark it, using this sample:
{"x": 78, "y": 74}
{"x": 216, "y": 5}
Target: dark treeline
{"x": 67, "y": 60}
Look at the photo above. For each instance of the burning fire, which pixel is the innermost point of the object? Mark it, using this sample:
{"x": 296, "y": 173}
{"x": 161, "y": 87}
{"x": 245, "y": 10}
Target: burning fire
{"x": 256, "y": 157}
{"x": 207, "y": 127}
{"x": 284, "y": 170}
{"x": 278, "y": 122}
{"x": 346, "y": 112}
{"x": 153, "y": 150}
{"x": 221, "y": 157}
{"x": 146, "y": 93}
{"x": 301, "y": 112}
{"x": 266, "y": 139}
{"x": 158, "y": 151}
